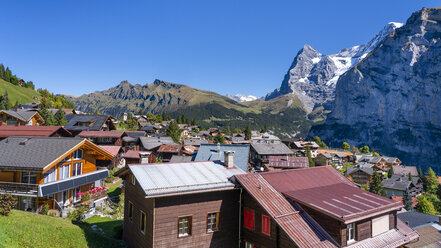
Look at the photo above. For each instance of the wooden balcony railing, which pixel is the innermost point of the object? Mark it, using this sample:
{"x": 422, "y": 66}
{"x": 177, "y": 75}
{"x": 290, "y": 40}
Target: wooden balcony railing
{"x": 18, "y": 188}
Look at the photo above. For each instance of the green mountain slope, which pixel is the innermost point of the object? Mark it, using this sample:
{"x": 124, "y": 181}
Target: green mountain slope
{"x": 17, "y": 93}
{"x": 285, "y": 114}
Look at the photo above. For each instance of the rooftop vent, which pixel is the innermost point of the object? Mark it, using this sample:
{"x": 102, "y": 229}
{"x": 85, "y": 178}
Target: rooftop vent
{"x": 25, "y": 141}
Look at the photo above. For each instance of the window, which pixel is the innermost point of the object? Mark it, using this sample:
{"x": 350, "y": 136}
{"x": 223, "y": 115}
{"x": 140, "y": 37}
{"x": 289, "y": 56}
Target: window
{"x": 212, "y": 222}
{"x": 132, "y": 179}
{"x": 248, "y": 219}
{"x": 64, "y": 171}
{"x": 50, "y": 176}
{"x": 266, "y": 225}
{"x": 350, "y": 232}
{"x": 75, "y": 196}
{"x": 78, "y": 154}
{"x": 142, "y": 222}
{"x": 130, "y": 211}
{"x": 184, "y": 226}
{"x": 28, "y": 177}
{"x": 105, "y": 140}
{"x": 77, "y": 169}
{"x": 249, "y": 245}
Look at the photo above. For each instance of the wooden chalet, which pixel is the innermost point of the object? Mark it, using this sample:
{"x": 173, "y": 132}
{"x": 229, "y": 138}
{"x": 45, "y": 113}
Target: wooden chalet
{"x": 20, "y": 117}
{"x": 285, "y": 162}
{"x": 50, "y": 171}
{"x": 33, "y": 131}
{"x": 166, "y": 152}
{"x": 191, "y": 204}
{"x": 77, "y": 123}
{"x": 316, "y": 207}
{"x": 361, "y": 174}
{"x": 106, "y": 138}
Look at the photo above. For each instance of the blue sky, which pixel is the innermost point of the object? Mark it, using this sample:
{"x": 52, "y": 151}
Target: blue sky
{"x": 76, "y": 47}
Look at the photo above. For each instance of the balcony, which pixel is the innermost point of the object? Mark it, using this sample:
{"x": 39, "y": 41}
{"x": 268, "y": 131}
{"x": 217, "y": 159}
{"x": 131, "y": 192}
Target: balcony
{"x": 21, "y": 189}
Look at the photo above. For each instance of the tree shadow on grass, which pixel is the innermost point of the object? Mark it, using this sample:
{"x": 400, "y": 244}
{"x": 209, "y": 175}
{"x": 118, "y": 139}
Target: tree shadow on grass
{"x": 96, "y": 239}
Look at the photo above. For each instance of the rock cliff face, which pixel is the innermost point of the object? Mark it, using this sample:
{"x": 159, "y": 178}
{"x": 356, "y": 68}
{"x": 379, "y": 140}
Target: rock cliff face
{"x": 391, "y": 100}
{"x": 312, "y": 76}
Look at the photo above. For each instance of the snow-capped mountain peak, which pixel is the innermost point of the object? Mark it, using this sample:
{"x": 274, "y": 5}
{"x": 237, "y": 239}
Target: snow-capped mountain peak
{"x": 313, "y": 76}
{"x": 242, "y": 98}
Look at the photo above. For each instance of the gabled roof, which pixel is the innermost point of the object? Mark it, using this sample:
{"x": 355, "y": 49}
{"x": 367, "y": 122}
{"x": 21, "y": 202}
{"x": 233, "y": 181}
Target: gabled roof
{"x": 135, "y": 134}
{"x": 360, "y": 167}
{"x": 35, "y": 153}
{"x": 272, "y": 149}
{"x": 150, "y": 143}
{"x": 287, "y": 162}
{"x": 195, "y": 142}
{"x": 180, "y": 178}
{"x": 105, "y": 134}
{"x": 114, "y": 150}
{"x": 97, "y": 121}
{"x": 327, "y": 191}
{"x": 298, "y": 225}
{"x": 32, "y": 131}
{"x": 405, "y": 170}
{"x": 400, "y": 182}
{"x": 180, "y": 159}
{"x": 170, "y": 148}
{"x": 24, "y": 115}
{"x": 416, "y": 219}
{"x": 210, "y": 152}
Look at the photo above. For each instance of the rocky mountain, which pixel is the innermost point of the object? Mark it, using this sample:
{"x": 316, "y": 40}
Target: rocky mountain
{"x": 285, "y": 114}
{"x": 242, "y": 98}
{"x": 313, "y": 76}
{"x": 391, "y": 99}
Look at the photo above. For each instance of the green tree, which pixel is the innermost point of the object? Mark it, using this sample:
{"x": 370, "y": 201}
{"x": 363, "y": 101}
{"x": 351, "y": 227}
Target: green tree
{"x": 420, "y": 173}
{"x": 50, "y": 120}
{"x": 319, "y": 141}
{"x": 96, "y": 112}
{"x": 2, "y": 71}
{"x": 227, "y": 130}
{"x": 431, "y": 182}
{"x": 219, "y": 139}
{"x": 60, "y": 118}
{"x": 425, "y": 206}
{"x": 390, "y": 173}
{"x": 193, "y": 122}
{"x": 410, "y": 177}
{"x": 345, "y": 146}
{"x": 308, "y": 154}
{"x": 375, "y": 184}
{"x": 364, "y": 149}
{"x": 247, "y": 132}
{"x": 173, "y": 131}
{"x": 264, "y": 129}
{"x": 4, "y": 101}
{"x": 407, "y": 200}
{"x": 237, "y": 130}
{"x": 7, "y": 203}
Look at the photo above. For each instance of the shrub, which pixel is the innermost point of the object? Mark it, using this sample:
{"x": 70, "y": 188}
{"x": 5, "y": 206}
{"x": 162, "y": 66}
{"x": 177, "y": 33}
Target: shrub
{"x": 77, "y": 214}
{"x": 85, "y": 197}
{"x": 45, "y": 210}
{"x": 7, "y": 203}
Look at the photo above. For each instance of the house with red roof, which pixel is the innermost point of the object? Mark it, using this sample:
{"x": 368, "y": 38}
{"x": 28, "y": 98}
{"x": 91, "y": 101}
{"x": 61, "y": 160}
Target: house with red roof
{"x": 108, "y": 138}
{"x": 317, "y": 207}
{"x": 33, "y": 131}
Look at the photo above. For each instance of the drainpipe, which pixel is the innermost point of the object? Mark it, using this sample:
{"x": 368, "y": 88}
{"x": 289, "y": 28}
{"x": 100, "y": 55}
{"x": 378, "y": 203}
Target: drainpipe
{"x": 240, "y": 216}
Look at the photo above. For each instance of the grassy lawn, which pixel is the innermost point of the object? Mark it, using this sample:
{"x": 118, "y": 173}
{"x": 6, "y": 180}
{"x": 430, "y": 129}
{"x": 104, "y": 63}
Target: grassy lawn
{"x": 17, "y": 93}
{"x": 113, "y": 189}
{"x": 24, "y": 229}
{"x": 105, "y": 223}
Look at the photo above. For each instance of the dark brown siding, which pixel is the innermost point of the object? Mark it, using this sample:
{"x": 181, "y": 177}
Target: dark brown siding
{"x": 363, "y": 230}
{"x": 168, "y": 209}
{"x": 132, "y": 234}
{"x": 256, "y": 236}
{"x": 335, "y": 228}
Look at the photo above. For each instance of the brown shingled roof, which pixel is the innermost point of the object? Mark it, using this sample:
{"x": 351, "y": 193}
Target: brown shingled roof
{"x": 93, "y": 134}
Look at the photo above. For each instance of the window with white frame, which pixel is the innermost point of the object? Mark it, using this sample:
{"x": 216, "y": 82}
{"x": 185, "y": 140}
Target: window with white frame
{"x": 77, "y": 169}
{"x": 29, "y": 177}
{"x": 75, "y": 196}
{"x": 50, "y": 176}
{"x": 350, "y": 232}
{"x": 64, "y": 171}
{"x": 78, "y": 154}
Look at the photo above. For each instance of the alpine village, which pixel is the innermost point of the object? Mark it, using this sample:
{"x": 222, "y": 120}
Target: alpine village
{"x": 135, "y": 167}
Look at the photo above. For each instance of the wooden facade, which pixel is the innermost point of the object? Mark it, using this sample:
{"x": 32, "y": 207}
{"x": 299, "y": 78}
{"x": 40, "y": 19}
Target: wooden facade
{"x": 162, "y": 215}
{"x": 6, "y": 119}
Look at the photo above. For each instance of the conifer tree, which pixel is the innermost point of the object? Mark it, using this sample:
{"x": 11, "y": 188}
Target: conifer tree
{"x": 227, "y": 130}
{"x": 60, "y": 118}
{"x": 375, "y": 184}
{"x": 431, "y": 182}
{"x": 247, "y": 132}
{"x": 219, "y": 139}
{"x": 308, "y": 154}
{"x": 407, "y": 200}
{"x": 410, "y": 177}
{"x": 173, "y": 131}
{"x": 390, "y": 173}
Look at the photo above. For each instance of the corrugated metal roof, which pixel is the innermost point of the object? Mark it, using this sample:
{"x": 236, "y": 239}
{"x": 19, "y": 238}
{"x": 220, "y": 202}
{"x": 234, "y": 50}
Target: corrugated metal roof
{"x": 287, "y": 162}
{"x": 271, "y": 149}
{"x": 298, "y": 225}
{"x": 216, "y": 152}
{"x": 171, "y": 178}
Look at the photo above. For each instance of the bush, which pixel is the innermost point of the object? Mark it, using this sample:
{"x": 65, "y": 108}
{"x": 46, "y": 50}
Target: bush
{"x": 85, "y": 197}
{"x": 45, "y": 209}
{"x": 7, "y": 203}
{"x": 77, "y": 214}
{"x": 118, "y": 232}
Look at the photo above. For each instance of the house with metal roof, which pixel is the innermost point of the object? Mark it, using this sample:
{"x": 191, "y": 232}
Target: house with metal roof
{"x": 109, "y": 138}
{"x": 361, "y": 174}
{"x": 285, "y": 162}
{"x": 50, "y": 171}
{"x": 427, "y": 226}
{"x": 20, "y": 117}
{"x": 261, "y": 151}
{"x": 33, "y": 131}
{"x": 265, "y": 138}
{"x": 77, "y": 123}
{"x": 153, "y": 143}
{"x": 212, "y": 152}
{"x": 188, "y": 204}
{"x": 317, "y": 207}
{"x": 397, "y": 185}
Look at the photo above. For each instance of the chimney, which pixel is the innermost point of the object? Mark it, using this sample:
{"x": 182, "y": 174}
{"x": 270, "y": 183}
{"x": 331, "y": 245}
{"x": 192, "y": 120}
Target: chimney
{"x": 229, "y": 159}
